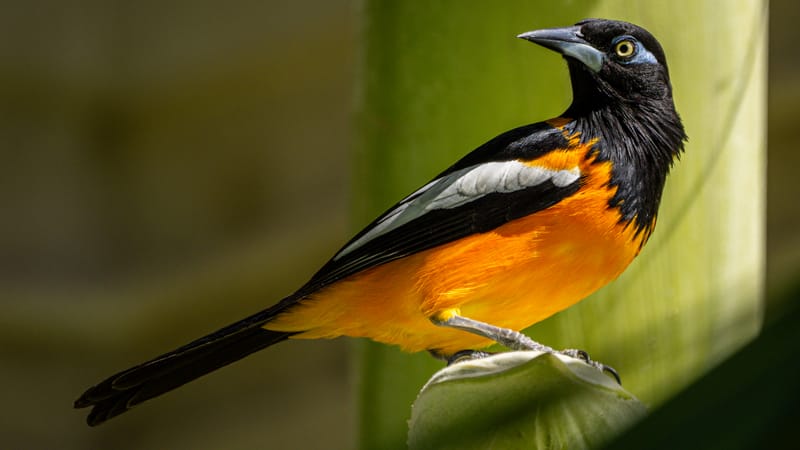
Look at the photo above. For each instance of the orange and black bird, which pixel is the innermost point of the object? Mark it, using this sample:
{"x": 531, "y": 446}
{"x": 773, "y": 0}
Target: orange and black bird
{"x": 524, "y": 226}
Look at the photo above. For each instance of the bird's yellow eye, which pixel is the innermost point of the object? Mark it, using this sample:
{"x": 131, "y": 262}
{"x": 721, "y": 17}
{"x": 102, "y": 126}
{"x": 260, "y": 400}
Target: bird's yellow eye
{"x": 625, "y": 48}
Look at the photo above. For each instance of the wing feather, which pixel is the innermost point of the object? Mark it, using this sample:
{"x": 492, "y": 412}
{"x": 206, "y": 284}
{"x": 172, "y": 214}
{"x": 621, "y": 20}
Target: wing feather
{"x": 490, "y": 186}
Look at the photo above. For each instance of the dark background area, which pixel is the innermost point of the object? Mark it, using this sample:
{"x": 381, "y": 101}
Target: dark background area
{"x": 166, "y": 169}
{"x": 783, "y": 159}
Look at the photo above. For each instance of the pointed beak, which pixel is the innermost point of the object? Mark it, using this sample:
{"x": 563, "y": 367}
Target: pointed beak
{"x": 569, "y": 42}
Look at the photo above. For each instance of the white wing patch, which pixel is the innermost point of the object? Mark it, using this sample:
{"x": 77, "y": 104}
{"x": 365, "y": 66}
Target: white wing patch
{"x": 464, "y": 186}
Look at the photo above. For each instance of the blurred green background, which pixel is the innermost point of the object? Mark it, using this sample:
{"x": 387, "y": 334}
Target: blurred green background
{"x": 168, "y": 168}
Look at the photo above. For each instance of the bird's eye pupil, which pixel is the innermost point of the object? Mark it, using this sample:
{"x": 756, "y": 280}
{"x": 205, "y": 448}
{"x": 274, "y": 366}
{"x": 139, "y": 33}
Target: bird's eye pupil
{"x": 624, "y": 48}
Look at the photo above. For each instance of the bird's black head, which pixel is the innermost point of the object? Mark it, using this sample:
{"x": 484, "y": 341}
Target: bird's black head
{"x": 622, "y": 96}
{"x": 609, "y": 61}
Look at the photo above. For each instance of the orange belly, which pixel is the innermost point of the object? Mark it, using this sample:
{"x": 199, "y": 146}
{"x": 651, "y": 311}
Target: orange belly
{"x": 513, "y": 276}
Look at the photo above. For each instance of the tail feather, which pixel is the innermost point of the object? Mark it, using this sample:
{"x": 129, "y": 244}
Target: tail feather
{"x": 128, "y": 388}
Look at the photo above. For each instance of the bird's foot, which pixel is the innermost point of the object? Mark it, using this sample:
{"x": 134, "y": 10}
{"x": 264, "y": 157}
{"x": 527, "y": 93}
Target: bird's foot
{"x": 466, "y": 355}
{"x": 583, "y": 356}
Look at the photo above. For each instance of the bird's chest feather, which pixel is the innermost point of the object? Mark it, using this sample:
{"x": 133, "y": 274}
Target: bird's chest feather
{"x": 539, "y": 264}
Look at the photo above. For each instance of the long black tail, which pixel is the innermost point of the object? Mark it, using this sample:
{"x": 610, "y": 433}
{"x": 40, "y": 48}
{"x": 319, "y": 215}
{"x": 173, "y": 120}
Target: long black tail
{"x": 128, "y": 388}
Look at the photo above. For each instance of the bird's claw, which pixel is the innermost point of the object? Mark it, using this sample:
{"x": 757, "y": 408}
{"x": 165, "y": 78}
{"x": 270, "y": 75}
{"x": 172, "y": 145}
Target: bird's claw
{"x": 466, "y": 355}
{"x": 584, "y": 356}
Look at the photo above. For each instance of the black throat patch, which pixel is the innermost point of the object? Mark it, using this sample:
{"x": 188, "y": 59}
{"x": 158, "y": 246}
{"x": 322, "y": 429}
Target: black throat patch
{"x": 641, "y": 141}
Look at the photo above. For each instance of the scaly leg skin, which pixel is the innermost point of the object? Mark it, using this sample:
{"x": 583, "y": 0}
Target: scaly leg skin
{"x": 511, "y": 339}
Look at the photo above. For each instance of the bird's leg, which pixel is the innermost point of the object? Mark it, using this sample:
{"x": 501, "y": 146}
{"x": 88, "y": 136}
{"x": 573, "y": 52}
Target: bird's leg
{"x": 503, "y": 336}
{"x": 512, "y": 339}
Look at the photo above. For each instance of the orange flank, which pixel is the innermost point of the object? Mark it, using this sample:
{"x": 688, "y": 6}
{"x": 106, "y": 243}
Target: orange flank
{"x": 513, "y": 276}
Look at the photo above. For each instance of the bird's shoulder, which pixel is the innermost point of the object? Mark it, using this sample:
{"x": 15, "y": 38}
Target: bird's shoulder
{"x": 524, "y": 143}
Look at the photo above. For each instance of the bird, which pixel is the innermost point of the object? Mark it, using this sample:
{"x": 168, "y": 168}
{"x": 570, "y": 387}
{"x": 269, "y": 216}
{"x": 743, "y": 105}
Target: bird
{"x": 522, "y": 227}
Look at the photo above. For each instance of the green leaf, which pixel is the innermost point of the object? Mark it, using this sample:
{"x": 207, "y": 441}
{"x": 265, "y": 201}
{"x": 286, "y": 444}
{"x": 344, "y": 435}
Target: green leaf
{"x": 520, "y": 400}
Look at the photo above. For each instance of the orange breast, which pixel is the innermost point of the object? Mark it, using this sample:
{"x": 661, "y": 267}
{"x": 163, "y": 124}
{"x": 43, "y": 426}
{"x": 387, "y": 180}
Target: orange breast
{"x": 513, "y": 276}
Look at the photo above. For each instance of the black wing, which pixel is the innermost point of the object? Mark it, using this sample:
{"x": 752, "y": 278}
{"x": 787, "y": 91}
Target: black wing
{"x": 424, "y": 219}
